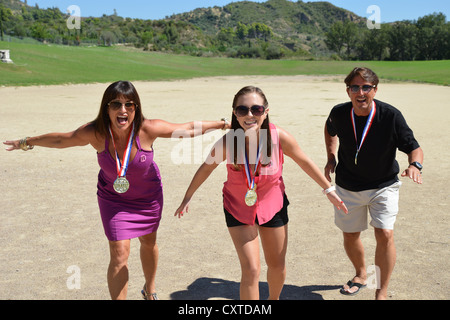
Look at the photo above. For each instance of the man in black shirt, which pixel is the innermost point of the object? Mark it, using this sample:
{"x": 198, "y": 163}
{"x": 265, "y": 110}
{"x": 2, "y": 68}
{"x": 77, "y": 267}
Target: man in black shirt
{"x": 368, "y": 133}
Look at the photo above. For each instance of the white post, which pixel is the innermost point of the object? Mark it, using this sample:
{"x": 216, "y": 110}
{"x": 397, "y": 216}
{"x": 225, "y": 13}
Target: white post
{"x": 4, "y": 56}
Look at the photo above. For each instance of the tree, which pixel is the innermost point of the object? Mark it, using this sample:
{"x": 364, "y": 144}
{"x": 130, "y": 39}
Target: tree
{"x": 259, "y": 31}
{"x": 241, "y": 31}
{"x": 171, "y": 32}
{"x": 226, "y": 35}
{"x": 40, "y": 31}
{"x": 431, "y": 20}
{"x": 108, "y": 38}
{"x": 372, "y": 44}
{"x": 145, "y": 38}
{"x": 5, "y": 14}
{"x": 433, "y": 37}
{"x": 342, "y": 35}
{"x": 335, "y": 37}
{"x": 402, "y": 41}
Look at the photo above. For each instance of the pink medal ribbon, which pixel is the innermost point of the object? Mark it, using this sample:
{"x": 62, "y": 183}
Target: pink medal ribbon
{"x": 366, "y": 129}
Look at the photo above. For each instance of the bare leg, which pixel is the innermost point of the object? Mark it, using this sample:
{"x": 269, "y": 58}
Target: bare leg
{"x": 385, "y": 256}
{"x": 246, "y": 242}
{"x": 274, "y": 242}
{"x": 149, "y": 259}
{"x": 355, "y": 252}
{"x": 118, "y": 269}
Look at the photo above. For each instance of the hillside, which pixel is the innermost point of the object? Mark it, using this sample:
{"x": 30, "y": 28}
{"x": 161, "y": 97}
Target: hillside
{"x": 285, "y": 18}
{"x": 296, "y": 28}
{"x": 295, "y": 25}
{"x": 15, "y": 5}
{"x": 275, "y": 29}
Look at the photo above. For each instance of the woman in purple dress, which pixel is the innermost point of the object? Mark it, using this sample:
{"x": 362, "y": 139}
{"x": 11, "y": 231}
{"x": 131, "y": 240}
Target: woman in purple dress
{"x": 130, "y": 194}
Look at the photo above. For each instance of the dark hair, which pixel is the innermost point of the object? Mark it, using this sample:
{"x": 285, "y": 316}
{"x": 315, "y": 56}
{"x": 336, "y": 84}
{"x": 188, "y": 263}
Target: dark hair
{"x": 265, "y": 125}
{"x": 365, "y": 73}
{"x": 119, "y": 89}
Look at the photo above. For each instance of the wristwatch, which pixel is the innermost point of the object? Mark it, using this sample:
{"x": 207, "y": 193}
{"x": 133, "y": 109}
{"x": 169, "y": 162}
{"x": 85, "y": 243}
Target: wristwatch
{"x": 418, "y": 165}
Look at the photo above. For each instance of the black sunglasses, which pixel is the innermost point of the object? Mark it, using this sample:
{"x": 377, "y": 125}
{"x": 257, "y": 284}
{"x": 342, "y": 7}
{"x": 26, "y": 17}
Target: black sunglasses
{"x": 257, "y": 111}
{"x": 365, "y": 89}
{"x": 116, "y": 105}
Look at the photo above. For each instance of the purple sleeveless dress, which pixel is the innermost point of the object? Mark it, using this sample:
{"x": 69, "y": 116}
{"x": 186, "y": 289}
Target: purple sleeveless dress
{"x": 138, "y": 211}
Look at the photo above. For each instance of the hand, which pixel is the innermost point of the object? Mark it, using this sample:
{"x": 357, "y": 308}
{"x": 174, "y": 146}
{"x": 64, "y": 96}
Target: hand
{"x": 14, "y": 145}
{"x": 184, "y": 207}
{"x": 413, "y": 173}
{"x": 329, "y": 168}
{"x": 337, "y": 202}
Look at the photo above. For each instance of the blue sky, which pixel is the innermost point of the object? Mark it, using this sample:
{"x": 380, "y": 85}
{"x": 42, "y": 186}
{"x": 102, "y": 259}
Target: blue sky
{"x": 390, "y": 10}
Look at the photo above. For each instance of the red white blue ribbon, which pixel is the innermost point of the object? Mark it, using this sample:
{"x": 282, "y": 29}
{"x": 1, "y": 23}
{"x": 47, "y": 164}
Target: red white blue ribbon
{"x": 250, "y": 180}
{"x": 122, "y": 168}
{"x": 366, "y": 129}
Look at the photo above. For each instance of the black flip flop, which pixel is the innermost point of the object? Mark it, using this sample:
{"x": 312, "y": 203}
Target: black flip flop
{"x": 350, "y": 285}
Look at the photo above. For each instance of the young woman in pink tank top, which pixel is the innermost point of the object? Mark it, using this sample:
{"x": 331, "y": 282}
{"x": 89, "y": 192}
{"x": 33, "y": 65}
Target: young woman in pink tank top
{"x": 254, "y": 199}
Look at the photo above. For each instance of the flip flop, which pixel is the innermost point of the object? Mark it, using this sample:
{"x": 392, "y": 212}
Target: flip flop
{"x": 350, "y": 285}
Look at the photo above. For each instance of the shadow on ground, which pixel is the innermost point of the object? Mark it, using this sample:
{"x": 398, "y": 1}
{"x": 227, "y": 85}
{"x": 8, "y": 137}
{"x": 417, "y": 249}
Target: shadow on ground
{"x": 214, "y": 288}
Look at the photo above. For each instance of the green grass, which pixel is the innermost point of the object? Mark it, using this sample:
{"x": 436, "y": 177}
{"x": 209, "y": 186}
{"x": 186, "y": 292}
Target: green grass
{"x": 52, "y": 64}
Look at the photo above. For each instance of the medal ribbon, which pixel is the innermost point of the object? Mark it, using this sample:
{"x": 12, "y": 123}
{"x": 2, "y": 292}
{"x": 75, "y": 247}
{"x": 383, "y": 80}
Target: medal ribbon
{"x": 122, "y": 168}
{"x": 366, "y": 129}
{"x": 248, "y": 176}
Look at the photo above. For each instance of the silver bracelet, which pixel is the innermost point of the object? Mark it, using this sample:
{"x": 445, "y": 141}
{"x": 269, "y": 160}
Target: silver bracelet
{"x": 330, "y": 189}
{"x": 226, "y": 122}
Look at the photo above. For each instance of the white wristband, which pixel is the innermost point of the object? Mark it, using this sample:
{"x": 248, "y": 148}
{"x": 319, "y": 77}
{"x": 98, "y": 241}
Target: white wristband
{"x": 327, "y": 191}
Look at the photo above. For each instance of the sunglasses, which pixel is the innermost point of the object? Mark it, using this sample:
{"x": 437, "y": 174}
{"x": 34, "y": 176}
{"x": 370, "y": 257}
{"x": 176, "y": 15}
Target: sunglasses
{"x": 365, "y": 89}
{"x": 116, "y": 105}
{"x": 242, "y": 111}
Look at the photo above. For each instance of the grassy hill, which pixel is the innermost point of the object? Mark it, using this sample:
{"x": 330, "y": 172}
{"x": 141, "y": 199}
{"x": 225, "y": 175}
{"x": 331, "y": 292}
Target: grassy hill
{"x": 54, "y": 64}
{"x": 285, "y": 18}
{"x": 294, "y": 24}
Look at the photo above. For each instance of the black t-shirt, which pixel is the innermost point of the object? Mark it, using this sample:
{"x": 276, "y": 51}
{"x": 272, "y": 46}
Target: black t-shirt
{"x": 376, "y": 167}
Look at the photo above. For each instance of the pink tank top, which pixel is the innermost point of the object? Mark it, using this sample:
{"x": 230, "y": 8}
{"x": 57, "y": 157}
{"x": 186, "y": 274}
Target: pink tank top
{"x": 270, "y": 188}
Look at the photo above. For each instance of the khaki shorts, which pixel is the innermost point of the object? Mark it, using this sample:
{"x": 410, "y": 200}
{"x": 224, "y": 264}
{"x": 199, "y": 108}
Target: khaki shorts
{"x": 382, "y": 205}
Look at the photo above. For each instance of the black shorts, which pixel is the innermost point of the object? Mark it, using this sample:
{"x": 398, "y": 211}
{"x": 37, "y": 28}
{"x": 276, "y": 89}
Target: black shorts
{"x": 279, "y": 220}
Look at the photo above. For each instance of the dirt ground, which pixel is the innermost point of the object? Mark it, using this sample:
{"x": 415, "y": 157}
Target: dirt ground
{"x": 51, "y": 233}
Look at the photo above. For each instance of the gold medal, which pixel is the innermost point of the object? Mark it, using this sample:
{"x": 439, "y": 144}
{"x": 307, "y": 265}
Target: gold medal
{"x": 251, "y": 197}
{"x": 121, "y": 185}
